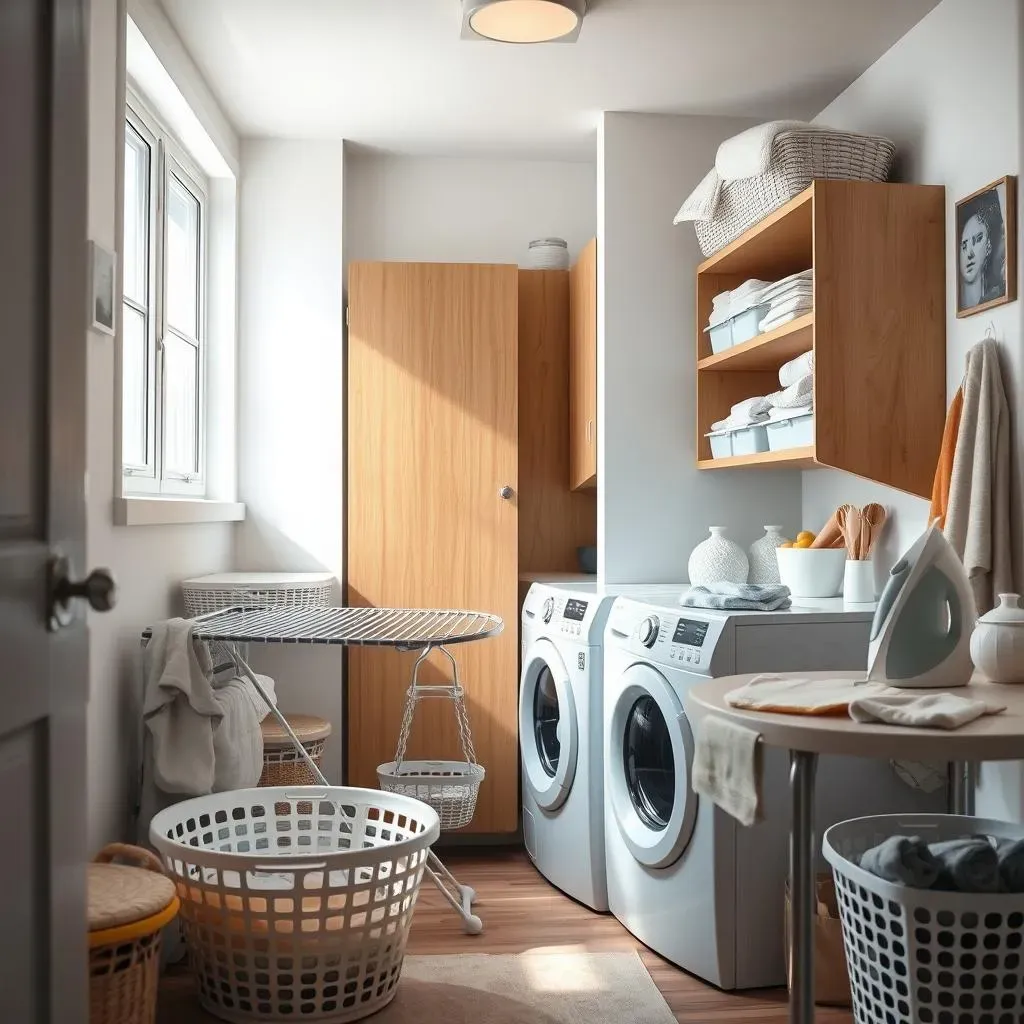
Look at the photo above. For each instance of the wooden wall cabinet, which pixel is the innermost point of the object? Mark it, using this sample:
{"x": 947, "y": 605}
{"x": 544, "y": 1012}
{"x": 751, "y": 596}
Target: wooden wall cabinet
{"x": 878, "y": 330}
{"x": 583, "y": 369}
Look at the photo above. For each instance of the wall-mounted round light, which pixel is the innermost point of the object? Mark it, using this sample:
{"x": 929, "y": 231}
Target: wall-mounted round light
{"x": 523, "y": 21}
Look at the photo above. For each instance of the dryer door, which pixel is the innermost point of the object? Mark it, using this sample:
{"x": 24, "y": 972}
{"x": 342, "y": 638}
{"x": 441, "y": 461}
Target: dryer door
{"x": 649, "y": 759}
{"x": 548, "y": 731}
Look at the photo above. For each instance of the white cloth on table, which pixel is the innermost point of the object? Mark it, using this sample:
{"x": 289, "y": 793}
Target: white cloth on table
{"x": 237, "y": 737}
{"x": 727, "y": 767}
{"x": 925, "y": 711}
{"x": 801, "y": 366}
{"x": 179, "y": 709}
{"x": 799, "y": 695}
{"x": 978, "y": 512}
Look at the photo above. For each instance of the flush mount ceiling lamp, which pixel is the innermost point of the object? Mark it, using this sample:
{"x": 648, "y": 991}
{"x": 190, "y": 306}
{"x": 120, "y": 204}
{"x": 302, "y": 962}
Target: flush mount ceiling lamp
{"x": 523, "y": 21}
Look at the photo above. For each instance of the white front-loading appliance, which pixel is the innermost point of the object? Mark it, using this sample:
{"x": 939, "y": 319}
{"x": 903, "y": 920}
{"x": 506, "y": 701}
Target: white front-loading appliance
{"x": 560, "y": 732}
{"x": 684, "y": 877}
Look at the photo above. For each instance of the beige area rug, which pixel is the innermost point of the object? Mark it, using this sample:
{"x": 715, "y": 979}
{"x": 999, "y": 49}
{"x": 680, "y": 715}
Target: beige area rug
{"x": 537, "y": 987}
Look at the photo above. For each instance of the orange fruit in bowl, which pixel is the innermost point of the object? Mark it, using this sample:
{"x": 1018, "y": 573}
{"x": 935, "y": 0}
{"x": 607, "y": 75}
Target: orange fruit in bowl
{"x": 803, "y": 542}
{"x": 806, "y": 535}
{"x": 786, "y": 544}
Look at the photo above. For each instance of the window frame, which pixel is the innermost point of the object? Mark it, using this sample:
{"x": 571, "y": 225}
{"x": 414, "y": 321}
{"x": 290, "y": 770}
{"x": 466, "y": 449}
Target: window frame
{"x": 168, "y": 157}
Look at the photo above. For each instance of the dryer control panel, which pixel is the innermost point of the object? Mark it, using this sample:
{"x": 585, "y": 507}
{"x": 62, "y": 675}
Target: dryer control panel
{"x": 561, "y": 613}
{"x": 679, "y": 639}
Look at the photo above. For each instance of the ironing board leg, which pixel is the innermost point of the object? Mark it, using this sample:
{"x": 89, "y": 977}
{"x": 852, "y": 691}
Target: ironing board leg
{"x": 959, "y": 787}
{"x": 802, "y": 858}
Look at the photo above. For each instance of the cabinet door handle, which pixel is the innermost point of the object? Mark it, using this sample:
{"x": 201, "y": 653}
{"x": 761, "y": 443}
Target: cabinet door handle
{"x": 590, "y": 431}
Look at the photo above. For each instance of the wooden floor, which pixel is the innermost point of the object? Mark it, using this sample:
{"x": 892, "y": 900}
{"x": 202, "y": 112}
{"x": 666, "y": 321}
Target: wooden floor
{"x": 521, "y": 911}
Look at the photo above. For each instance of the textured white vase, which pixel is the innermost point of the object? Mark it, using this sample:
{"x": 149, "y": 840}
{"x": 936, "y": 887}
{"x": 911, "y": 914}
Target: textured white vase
{"x": 764, "y": 566}
{"x": 717, "y": 560}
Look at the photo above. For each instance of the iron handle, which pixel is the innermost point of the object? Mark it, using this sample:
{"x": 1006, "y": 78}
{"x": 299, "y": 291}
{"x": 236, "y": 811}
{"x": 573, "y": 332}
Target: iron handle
{"x": 506, "y": 492}
{"x": 98, "y": 588}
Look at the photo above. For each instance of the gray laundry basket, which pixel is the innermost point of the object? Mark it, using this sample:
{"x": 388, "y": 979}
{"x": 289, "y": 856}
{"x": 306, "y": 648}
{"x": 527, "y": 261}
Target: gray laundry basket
{"x": 924, "y": 956}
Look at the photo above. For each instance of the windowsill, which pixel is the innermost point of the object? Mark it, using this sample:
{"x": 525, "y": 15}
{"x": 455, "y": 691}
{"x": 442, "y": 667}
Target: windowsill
{"x": 156, "y": 511}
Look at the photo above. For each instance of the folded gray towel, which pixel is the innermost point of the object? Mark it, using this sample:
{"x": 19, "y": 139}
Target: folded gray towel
{"x": 966, "y": 865}
{"x": 905, "y": 860}
{"x": 749, "y": 597}
{"x": 1010, "y": 853}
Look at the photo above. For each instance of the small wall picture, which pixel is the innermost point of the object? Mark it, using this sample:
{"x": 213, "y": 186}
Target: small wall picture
{"x": 986, "y": 241}
{"x": 102, "y": 263}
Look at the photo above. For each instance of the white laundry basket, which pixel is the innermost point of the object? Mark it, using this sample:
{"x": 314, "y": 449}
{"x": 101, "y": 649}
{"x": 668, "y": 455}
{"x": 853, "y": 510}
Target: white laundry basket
{"x": 296, "y": 902}
{"x": 256, "y": 590}
{"x": 922, "y": 956}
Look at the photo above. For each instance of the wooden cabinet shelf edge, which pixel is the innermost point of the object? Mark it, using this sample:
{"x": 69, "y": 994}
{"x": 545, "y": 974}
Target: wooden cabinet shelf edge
{"x": 583, "y": 369}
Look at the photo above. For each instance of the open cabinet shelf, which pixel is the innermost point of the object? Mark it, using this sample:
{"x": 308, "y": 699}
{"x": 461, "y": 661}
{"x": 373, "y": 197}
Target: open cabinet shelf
{"x": 877, "y": 330}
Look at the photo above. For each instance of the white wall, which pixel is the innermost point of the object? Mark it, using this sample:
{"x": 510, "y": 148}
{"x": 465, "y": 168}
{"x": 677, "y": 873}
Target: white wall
{"x": 654, "y": 505}
{"x": 291, "y": 390}
{"x": 149, "y": 561}
{"x": 960, "y": 130}
{"x": 447, "y": 210}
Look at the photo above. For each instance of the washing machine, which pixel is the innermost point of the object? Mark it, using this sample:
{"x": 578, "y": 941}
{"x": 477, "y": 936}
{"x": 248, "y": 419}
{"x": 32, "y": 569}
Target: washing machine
{"x": 560, "y": 735}
{"x": 683, "y": 876}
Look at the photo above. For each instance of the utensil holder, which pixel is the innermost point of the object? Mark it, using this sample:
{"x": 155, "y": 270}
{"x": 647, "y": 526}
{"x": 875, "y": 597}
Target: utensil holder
{"x": 859, "y": 582}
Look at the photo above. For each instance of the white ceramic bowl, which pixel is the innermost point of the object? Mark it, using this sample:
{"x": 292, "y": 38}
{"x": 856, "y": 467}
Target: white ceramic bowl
{"x": 812, "y": 572}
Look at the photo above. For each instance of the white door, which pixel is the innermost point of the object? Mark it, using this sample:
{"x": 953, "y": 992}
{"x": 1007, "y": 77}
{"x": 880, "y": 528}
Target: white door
{"x": 548, "y": 729}
{"x": 650, "y": 759}
{"x": 43, "y": 673}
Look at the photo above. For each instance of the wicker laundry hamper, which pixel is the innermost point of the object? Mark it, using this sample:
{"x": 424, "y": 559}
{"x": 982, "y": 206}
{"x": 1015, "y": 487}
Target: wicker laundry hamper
{"x": 282, "y": 763}
{"x": 128, "y": 907}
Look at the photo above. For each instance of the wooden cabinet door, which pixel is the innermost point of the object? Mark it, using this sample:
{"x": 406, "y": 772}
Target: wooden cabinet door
{"x": 583, "y": 369}
{"x": 432, "y": 440}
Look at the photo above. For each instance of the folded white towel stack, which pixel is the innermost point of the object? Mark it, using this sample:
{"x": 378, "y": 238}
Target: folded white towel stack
{"x": 801, "y": 366}
{"x": 727, "y": 768}
{"x": 728, "y": 304}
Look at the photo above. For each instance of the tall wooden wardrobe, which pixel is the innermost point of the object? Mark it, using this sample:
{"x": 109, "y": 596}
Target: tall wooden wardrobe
{"x": 457, "y": 482}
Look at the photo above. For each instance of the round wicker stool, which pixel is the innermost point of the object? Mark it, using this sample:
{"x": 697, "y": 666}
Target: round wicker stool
{"x": 282, "y": 763}
{"x": 127, "y": 908}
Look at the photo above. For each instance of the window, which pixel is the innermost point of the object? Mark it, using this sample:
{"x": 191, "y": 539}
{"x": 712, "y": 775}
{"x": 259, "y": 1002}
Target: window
{"x": 164, "y": 331}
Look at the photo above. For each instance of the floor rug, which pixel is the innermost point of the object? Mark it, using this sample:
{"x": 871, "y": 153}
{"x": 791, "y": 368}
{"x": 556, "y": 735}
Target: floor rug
{"x": 538, "y": 987}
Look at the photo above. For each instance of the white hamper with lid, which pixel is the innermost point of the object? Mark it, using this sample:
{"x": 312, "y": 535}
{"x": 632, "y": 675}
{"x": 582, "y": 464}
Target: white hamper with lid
{"x": 926, "y": 956}
{"x": 204, "y": 594}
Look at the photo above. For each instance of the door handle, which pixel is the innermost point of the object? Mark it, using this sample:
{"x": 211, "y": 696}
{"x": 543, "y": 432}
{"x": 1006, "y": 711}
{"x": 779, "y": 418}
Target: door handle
{"x": 590, "y": 431}
{"x": 98, "y": 588}
{"x": 506, "y": 492}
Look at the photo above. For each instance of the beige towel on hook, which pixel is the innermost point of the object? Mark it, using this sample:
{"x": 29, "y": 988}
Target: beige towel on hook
{"x": 727, "y": 768}
{"x": 978, "y": 510}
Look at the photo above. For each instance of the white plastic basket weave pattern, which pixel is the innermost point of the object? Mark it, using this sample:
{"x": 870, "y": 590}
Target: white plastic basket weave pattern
{"x": 922, "y": 956}
{"x": 798, "y": 157}
{"x": 296, "y": 904}
{"x": 450, "y": 787}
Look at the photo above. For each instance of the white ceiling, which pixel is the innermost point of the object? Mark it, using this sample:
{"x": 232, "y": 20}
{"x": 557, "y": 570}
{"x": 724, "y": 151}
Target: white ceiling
{"x": 394, "y": 74}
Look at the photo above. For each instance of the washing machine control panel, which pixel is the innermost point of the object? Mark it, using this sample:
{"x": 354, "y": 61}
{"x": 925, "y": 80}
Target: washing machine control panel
{"x": 648, "y": 630}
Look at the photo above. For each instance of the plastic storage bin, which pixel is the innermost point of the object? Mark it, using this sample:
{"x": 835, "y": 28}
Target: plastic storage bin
{"x": 721, "y": 336}
{"x": 749, "y": 440}
{"x": 925, "y": 955}
{"x": 795, "y": 431}
{"x": 745, "y": 325}
{"x": 721, "y": 444}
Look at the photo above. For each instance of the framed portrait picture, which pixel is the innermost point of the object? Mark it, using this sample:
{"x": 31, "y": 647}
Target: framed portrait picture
{"x": 986, "y": 247}
{"x": 102, "y": 264}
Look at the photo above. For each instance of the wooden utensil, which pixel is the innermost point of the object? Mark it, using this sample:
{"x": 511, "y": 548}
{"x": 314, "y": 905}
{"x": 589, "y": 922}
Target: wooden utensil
{"x": 874, "y": 516}
{"x": 849, "y": 518}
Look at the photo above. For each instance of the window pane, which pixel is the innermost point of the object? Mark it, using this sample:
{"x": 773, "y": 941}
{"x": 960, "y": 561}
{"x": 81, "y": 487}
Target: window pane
{"x": 133, "y": 379}
{"x": 136, "y": 216}
{"x": 181, "y": 406}
{"x": 182, "y": 259}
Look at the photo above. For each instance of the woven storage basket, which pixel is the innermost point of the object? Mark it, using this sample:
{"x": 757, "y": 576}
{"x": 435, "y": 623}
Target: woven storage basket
{"x": 205, "y": 594}
{"x": 296, "y": 906}
{"x": 926, "y": 956}
{"x": 282, "y": 763}
{"x": 798, "y": 157}
{"x": 128, "y": 906}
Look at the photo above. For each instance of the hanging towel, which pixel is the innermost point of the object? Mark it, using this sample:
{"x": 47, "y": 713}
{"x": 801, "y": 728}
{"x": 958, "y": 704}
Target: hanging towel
{"x": 237, "y": 737}
{"x": 738, "y": 597}
{"x": 701, "y": 203}
{"x": 944, "y": 469}
{"x": 801, "y": 366}
{"x": 727, "y": 768}
{"x": 903, "y": 860}
{"x": 258, "y": 703}
{"x": 978, "y": 512}
{"x": 966, "y": 865}
{"x": 179, "y": 709}
{"x": 792, "y": 695}
{"x": 931, "y": 711}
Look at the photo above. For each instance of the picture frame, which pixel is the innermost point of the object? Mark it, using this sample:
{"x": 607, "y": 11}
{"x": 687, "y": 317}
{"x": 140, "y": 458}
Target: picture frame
{"x": 102, "y": 312}
{"x": 986, "y": 247}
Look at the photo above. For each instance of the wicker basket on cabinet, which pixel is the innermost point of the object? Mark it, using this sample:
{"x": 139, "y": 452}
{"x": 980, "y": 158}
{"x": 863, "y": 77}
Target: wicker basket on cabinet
{"x": 128, "y": 907}
{"x": 282, "y": 763}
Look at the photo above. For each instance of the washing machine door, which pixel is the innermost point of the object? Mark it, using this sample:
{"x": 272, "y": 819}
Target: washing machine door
{"x": 650, "y": 758}
{"x": 548, "y": 730}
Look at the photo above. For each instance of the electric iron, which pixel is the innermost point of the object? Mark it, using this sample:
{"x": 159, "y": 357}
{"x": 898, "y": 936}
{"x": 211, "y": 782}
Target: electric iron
{"x": 921, "y": 633}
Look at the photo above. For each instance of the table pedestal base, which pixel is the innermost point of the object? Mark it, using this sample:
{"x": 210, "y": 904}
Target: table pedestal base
{"x": 802, "y": 859}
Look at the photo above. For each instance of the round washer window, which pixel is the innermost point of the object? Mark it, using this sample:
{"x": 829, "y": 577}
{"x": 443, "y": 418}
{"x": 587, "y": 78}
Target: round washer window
{"x": 545, "y": 721}
{"x": 649, "y": 764}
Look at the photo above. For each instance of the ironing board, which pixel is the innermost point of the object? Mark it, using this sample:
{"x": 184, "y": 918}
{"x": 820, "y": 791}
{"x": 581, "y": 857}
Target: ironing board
{"x": 989, "y": 738}
{"x": 405, "y": 629}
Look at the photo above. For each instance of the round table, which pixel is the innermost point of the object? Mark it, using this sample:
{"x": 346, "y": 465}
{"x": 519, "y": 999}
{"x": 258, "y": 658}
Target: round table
{"x": 989, "y": 738}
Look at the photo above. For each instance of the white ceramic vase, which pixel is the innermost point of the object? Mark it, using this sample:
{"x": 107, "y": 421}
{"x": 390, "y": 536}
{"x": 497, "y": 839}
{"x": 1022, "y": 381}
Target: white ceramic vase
{"x": 764, "y": 566}
{"x": 997, "y": 643}
{"x": 717, "y": 560}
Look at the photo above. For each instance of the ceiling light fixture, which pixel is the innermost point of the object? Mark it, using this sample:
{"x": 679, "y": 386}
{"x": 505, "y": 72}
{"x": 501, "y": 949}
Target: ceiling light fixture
{"x": 523, "y": 21}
